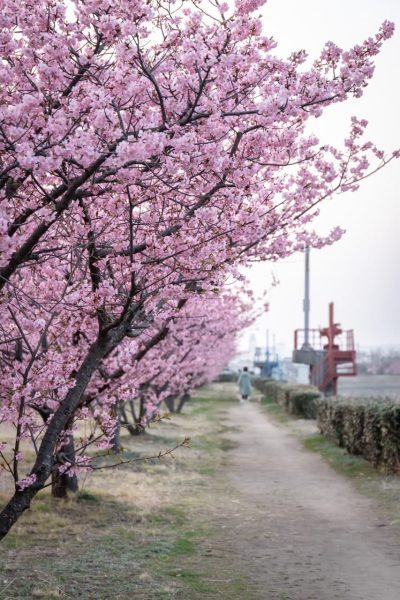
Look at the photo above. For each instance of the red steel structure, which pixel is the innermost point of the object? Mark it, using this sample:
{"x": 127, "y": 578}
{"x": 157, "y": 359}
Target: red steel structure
{"x": 330, "y": 353}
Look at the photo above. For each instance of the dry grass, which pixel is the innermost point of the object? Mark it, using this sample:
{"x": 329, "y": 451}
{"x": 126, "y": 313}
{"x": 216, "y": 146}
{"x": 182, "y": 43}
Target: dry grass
{"x": 144, "y": 531}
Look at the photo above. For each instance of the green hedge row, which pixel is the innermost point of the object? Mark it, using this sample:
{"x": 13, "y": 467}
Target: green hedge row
{"x": 368, "y": 427}
{"x": 227, "y": 377}
{"x": 299, "y": 400}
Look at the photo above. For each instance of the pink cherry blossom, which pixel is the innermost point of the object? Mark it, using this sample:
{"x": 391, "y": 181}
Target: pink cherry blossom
{"x": 145, "y": 159}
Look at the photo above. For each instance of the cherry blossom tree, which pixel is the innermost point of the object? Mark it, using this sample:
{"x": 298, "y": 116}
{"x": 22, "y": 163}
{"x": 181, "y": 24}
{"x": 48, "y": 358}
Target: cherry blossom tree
{"x": 148, "y": 150}
{"x": 199, "y": 344}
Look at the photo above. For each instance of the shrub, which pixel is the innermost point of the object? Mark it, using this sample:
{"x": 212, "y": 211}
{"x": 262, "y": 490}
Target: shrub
{"x": 227, "y": 377}
{"x": 304, "y": 402}
{"x": 299, "y": 400}
{"x": 369, "y": 427}
{"x": 366, "y": 426}
{"x": 282, "y": 394}
{"x": 353, "y": 427}
{"x": 390, "y": 437}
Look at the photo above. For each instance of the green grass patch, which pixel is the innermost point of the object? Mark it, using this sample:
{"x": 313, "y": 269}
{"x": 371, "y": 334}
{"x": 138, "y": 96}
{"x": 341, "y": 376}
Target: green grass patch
{"x": 219, "y": 392}
{"x": 177, "y": 514}
{"x": 343, "y": 462}
{"x": 196, "y": 581}
{"x": 185, "y": 544}
{"x": 275, "y": 410}
{"x": 85, "y": 496}
{"x": 202, "y": 406}
{"x": 208, "y": 471}
{"x": 227, "y": 445}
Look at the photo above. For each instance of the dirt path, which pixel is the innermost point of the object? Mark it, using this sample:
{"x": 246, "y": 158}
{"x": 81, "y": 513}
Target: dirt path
{"x": 303, "y": 531}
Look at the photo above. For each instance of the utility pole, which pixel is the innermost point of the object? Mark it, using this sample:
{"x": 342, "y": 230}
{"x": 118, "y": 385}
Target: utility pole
{"x": 306, "y": 301}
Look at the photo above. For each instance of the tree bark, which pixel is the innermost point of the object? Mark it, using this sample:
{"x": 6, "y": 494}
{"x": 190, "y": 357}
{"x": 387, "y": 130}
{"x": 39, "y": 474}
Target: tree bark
{"x": 45, "y": 458}
{"x": 61, "y": 484}
{"x": 170, "y": 402}
{"x": 68, "y": 193}
{"x": 137, "y": 428}
{"x": 184, "y": 398}
{"x": 116, "y": 441}
{"x": 125, "y": 420}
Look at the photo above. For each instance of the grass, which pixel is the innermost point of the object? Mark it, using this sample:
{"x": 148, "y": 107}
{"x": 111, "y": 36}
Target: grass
{"x": 276, "y": 411}
{"x": 343, "y": 462}
{"x": 86, "y": 496}
{"x": 141, "y": 532}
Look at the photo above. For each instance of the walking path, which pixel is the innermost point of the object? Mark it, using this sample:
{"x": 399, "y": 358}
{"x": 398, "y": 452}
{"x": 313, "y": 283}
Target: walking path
{"x": 306, "y": 533}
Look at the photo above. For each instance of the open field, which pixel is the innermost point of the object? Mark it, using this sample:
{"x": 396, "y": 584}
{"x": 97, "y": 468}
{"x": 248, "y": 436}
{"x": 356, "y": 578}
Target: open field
{"x": 370, "y": 385}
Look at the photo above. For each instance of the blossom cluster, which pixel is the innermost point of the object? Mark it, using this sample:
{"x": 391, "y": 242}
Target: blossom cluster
{"x": 146, "y": 155}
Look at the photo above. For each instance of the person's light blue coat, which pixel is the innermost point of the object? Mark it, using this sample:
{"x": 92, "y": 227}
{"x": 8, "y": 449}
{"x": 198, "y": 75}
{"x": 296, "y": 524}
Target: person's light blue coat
{"x": 244, "y": 382}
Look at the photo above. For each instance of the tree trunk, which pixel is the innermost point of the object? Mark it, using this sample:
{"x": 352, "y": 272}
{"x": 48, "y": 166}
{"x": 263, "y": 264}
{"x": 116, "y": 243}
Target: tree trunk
{"x": 184, "y": 398}
{"x": 170, "y": 402}
{"x": 116, "y": 440}
{"x": 61, "y": 484}
{"x": 14, "y": 509}
{"x": 137, "y": 428}
{"x": 45, "y": 458}
{"x": 125, "y": 420}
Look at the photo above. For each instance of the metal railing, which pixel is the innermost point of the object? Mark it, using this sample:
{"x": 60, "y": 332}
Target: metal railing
{"x": 344, "y": 341}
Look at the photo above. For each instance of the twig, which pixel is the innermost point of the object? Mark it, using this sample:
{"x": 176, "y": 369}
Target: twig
{"x": 185, "y": 443}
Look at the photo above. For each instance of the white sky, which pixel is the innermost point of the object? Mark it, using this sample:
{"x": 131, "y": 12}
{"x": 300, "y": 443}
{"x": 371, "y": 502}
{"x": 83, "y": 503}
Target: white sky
{"x": 360, "y": 273}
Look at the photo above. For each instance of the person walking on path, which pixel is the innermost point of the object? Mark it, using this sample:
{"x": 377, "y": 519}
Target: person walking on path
{"x": 244, "y": 383}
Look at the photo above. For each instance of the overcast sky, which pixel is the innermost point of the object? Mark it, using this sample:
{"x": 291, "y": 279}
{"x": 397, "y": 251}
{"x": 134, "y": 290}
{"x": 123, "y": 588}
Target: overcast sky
{"x": 360, "y": 273}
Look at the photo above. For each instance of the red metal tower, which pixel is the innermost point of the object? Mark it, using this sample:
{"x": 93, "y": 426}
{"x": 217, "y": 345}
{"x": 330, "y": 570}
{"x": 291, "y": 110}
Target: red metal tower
{"x": 329, "y": 352}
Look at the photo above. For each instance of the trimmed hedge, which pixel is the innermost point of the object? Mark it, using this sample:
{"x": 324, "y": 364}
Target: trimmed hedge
{"x": 227, "y": 377}
{"x": 304, "y": 402}
{"x": 368, "y": 427}
{"x": 299, "y": 400}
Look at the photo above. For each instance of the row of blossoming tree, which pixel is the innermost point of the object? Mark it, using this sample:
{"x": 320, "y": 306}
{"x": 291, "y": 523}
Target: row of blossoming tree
{"x": 148, "y": 150}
